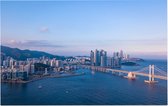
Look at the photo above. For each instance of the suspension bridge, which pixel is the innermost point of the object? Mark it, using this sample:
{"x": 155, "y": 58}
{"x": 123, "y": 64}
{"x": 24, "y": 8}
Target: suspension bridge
{"x": 150, "y": 71}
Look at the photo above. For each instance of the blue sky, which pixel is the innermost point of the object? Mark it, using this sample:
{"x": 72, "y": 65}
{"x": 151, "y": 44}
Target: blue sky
{"x": 75, "y": 27}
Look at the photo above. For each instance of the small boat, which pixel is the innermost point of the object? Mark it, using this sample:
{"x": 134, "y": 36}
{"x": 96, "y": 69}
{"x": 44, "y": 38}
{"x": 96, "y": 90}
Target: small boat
{"x": 93, "y": 72}
{"x": 39, "y": 86}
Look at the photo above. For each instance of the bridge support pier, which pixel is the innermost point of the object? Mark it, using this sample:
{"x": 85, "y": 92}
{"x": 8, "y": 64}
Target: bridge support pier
{"x": 131, "y": 75}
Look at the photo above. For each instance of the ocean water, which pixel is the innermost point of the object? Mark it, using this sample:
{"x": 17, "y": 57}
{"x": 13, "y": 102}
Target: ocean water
{"x": 98, "y": 89}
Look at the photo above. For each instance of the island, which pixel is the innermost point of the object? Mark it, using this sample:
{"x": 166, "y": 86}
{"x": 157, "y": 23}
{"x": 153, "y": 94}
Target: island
{"x": 129, "y": 63}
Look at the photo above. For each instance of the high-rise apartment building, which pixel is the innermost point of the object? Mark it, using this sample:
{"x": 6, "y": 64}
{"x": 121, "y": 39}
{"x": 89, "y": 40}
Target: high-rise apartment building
{"x": 121, "y": 54}
{"x": 59, "y": 63}
{"x": 103, "y": 59}
{"x": 92, "y": 58}
{"x": 98, "y": 58}
{"x": 32, "y": 69}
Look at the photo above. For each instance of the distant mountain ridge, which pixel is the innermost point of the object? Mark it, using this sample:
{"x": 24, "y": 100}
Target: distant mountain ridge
{"x": 24, "y": 54}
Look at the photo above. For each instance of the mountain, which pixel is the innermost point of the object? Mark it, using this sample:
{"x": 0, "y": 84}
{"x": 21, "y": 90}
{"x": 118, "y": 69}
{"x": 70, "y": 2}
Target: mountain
{"x": 24, "y": 54}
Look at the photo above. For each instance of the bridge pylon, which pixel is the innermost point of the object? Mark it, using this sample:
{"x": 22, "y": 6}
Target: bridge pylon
{"x": 151, "y": 74}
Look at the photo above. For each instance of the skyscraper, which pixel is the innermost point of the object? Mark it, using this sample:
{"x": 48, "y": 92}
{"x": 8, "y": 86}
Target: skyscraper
{"x": 98, "y": 58}
{"x": 92, "y": 58}
{"x": 103, "y": 58}
{"x": 32, "y": 68}
{"x": 121, "y": 54}
{"x": 109, "y": 61}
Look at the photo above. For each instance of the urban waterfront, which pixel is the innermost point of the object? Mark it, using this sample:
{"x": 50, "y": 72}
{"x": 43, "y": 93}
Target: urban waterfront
{"x": 91, "y": 88}
{"x": 84, "y": 52}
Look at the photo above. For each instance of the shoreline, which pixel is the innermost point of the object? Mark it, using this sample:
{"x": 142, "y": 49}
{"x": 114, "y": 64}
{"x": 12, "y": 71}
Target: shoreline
{"x": 40, "y": 78}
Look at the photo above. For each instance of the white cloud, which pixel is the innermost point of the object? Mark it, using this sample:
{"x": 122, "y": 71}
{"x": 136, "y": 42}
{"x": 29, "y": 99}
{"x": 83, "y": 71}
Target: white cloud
{"x": 44, "y": 29}
{"x": 30, "y": 43}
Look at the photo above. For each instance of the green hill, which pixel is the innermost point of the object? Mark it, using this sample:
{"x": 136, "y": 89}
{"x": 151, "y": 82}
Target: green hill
{"x": 24, "y": 54}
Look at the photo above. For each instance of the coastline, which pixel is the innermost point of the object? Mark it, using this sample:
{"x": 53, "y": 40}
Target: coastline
{"x": 41, "y": 77}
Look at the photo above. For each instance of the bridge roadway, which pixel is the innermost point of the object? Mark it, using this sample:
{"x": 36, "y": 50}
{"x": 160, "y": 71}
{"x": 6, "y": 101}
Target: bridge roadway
{"x": 107, "y": 69}
{"x": 138, "y": 73}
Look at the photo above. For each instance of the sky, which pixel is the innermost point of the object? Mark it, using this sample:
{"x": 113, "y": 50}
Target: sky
{"x": 138, "y": 27}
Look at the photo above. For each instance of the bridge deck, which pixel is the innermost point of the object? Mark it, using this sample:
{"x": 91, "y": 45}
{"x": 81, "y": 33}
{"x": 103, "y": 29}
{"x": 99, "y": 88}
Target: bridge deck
{"x": 138, "y": 73}
{"x": 123, "y": 71}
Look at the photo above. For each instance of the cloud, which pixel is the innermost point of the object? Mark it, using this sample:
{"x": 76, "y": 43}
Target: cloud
{"x": 30, "y": 43}
{"x": 44, "y": 29}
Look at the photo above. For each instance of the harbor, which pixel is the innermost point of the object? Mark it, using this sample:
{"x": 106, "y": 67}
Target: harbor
{"x": 39, "y": 77}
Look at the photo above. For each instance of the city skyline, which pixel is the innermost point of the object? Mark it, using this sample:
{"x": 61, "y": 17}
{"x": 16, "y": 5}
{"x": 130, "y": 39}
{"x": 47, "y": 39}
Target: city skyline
{"x": 74, "y": 28}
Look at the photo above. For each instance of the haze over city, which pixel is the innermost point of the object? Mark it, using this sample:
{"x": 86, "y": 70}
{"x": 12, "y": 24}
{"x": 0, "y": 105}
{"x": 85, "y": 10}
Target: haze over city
{"x": 137, "y": 27}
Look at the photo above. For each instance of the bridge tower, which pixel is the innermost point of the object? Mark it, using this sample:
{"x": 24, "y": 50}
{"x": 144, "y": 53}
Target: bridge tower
{"x": 151, "y": 74}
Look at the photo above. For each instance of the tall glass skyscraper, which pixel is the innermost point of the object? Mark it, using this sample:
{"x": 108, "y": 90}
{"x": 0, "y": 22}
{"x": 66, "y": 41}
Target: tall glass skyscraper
{"x": 98, "y": 58}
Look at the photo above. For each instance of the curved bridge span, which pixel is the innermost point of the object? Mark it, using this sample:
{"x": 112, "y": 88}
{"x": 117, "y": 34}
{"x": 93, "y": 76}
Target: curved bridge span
{"x": 138, "y": 73}
{"x": 141, "y": 72}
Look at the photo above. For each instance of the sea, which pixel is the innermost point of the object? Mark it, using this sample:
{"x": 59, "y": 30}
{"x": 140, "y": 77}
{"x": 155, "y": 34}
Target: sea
{"x": 90, "y": 89}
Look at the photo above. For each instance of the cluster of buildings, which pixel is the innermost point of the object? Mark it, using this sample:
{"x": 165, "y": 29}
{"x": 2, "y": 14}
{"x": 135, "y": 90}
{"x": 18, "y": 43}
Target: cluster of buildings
{"x": 16, "y": 70}
{"x": 100, "y": 58}
{"x": 21, "y": 70}
{"x": 78, "y": 60}
{"x": 12, "y": 69}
